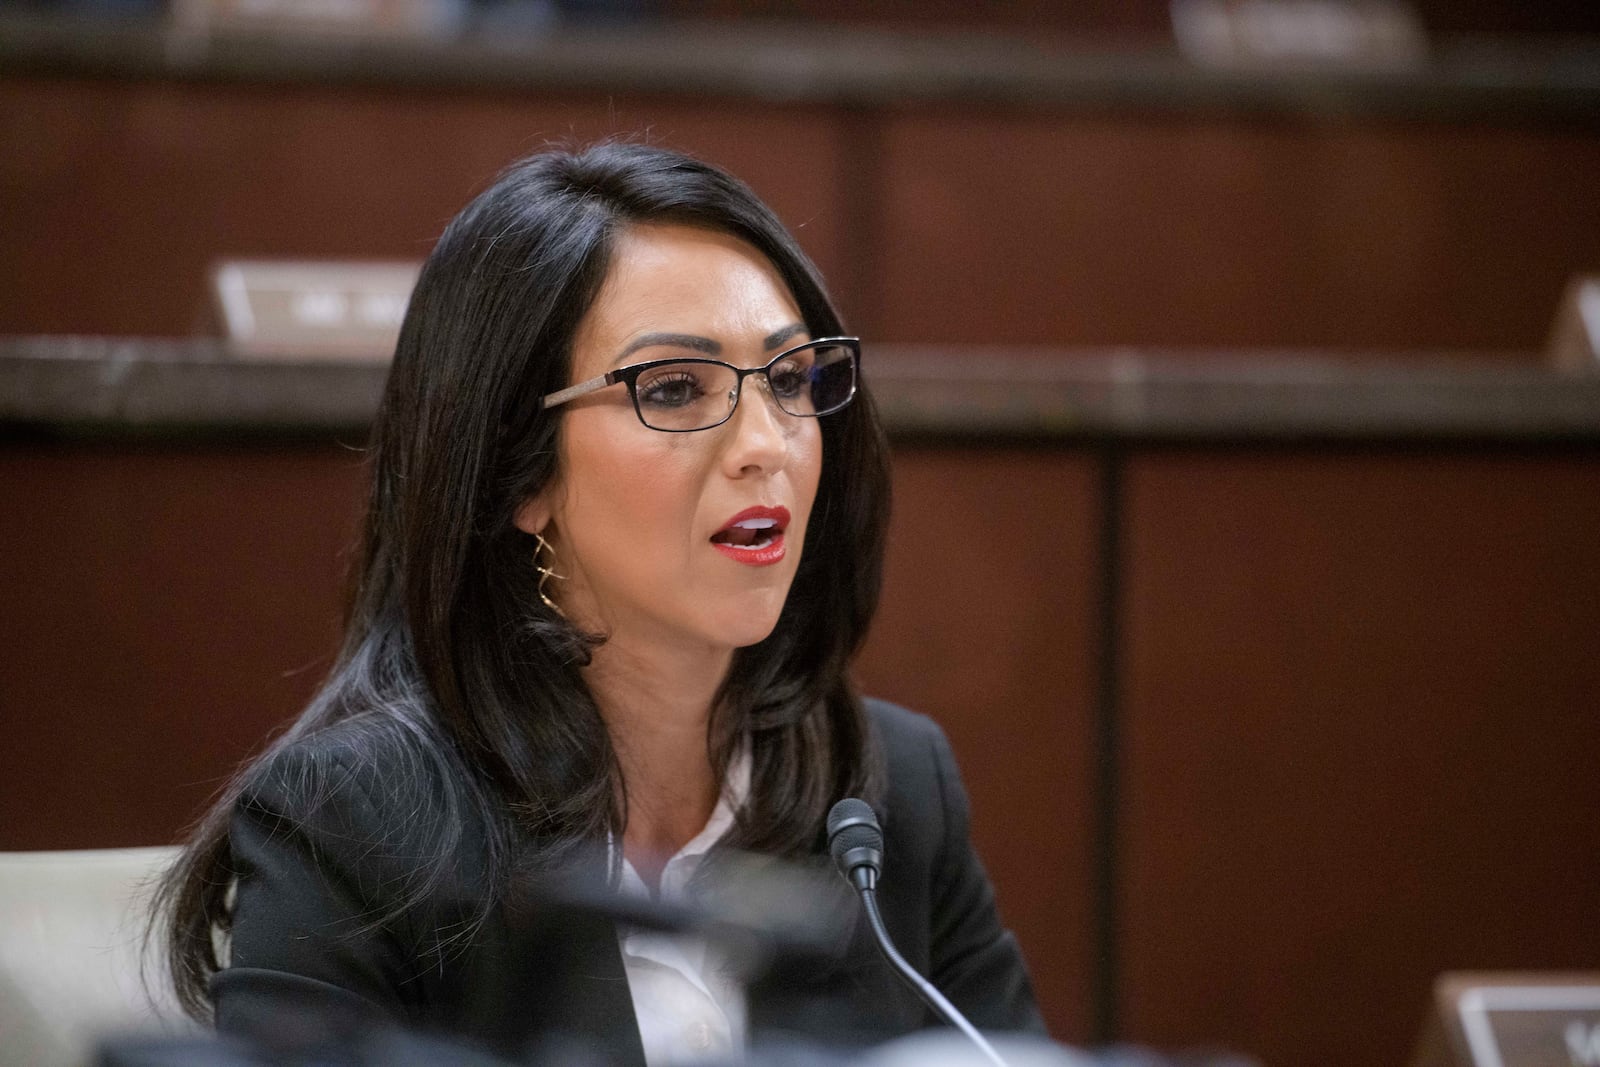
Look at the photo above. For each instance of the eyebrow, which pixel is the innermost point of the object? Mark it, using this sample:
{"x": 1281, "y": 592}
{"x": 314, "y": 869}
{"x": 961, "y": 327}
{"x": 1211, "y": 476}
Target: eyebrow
{"x": 703, "y": 345}
{"x": 773, "y": 340}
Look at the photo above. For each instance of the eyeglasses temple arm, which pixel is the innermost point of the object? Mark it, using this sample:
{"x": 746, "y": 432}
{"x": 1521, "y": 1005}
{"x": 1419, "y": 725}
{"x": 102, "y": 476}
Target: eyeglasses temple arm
{"x": 572, "y": 392}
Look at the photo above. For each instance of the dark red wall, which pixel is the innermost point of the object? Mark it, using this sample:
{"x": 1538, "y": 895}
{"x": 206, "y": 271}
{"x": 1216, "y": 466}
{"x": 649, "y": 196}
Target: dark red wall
{"x": 1359, "y": 739}
{"x": 166, "y": 607}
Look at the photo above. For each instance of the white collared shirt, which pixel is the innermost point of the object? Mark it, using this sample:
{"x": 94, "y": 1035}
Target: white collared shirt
{"x": 690, "y": 1007}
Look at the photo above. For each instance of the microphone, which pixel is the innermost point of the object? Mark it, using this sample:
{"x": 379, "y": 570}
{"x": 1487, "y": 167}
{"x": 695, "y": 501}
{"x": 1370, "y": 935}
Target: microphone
{"x": 856, "y": 842}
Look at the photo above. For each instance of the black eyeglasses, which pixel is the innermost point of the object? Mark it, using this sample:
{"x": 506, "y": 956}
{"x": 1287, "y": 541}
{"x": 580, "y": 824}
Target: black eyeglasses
{"x": 682, "y": 395}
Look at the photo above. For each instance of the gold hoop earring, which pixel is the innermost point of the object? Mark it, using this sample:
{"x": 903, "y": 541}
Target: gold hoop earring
{"x": 546, "y": 571}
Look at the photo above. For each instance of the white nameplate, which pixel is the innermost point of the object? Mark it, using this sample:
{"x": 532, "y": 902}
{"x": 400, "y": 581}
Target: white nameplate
{"x": 1575, "y": 338}
{"x": 354, "y": 18}
{"x": 1532, "y": 1026}
{"x": 313, "y": 309}
{"x": 1513, "y": 1020}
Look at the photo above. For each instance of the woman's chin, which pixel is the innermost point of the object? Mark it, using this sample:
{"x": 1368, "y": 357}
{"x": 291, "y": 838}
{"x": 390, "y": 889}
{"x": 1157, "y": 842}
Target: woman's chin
{"x": 747, "y": 624}
{"x": 750, "y": 632}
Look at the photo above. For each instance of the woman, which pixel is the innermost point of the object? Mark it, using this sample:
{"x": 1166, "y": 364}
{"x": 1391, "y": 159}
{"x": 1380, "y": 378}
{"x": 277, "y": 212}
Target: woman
{"x": 608, "y": 593}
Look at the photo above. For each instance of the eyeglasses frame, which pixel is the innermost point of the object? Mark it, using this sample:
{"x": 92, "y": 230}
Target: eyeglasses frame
{"x": 629, "y": 375}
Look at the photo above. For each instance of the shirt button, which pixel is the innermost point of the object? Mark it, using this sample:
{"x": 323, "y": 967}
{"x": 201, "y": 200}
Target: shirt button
{"x": 699, "y": 1036}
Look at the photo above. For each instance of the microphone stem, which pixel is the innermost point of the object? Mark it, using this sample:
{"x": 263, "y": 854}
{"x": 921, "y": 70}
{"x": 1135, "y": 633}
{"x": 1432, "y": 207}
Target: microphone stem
{"x": 920, "y": 985}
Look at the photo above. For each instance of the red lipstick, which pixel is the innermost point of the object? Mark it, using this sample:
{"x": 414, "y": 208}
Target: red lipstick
{"x": 754, "y": 536}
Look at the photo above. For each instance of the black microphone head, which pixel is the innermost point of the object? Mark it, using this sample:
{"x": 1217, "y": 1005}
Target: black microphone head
{"x": 856, "y": 840}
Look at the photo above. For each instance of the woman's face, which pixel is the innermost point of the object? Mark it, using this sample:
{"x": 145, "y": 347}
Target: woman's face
{"x": 643, "y": 521}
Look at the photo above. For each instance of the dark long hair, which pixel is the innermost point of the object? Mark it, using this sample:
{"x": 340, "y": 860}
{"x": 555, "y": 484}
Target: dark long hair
{"x": 447, "y": 645}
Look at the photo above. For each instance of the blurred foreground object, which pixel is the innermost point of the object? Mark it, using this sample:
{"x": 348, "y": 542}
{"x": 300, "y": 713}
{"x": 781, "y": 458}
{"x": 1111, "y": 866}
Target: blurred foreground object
{"x": 1513, "y": 1020}
{"x": 946, "y": 1048}
{"x": 1575, "y": 338}
{"x": 312, "y": 309}
{"x": 1355, "y": 33}
{"x": 399, "y": 1048}
{"x": 71, "y": 942}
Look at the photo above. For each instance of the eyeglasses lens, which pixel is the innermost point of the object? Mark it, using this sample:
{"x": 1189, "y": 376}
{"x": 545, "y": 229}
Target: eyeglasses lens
{"x": 832, "y": 378}
{"x": 694, "y": 396}
{"x": 686, "y": 396}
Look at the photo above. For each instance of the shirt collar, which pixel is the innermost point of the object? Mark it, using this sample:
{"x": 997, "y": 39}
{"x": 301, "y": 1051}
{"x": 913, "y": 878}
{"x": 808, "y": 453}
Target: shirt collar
{"x": 735, "y": 791}
{"x": 681, "y": 866}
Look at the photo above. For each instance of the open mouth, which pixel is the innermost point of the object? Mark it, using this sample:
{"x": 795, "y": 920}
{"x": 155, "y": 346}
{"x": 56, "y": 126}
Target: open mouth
{"x": 755, "y": 535}
{"x": 748, "y": 533}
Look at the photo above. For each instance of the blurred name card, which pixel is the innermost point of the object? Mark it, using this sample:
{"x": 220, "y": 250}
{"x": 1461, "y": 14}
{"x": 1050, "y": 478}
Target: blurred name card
{"x": 358, "y": 18}
{"x": 1287, "y": 33}
{"x": 313, "y": 310}
{"x": 1575, "y": 339}
{"x": 1513, "y": 1020}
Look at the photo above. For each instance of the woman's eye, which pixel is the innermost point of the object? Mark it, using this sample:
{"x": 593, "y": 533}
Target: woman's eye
{"x": 670, "y": 390}
{"x": 788, "y": 379}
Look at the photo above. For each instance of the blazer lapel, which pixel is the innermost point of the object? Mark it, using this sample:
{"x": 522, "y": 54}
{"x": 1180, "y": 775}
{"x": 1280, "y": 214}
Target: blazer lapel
{"x": 556, "y": 990}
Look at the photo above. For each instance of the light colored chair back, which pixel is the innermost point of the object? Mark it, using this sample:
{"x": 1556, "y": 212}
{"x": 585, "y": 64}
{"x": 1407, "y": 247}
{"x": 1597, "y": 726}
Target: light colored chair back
{"x": 71, "y": 943}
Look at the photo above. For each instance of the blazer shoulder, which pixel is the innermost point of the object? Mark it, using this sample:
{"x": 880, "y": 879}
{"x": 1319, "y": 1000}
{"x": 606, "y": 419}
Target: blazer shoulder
{"x": 372, "y": 756}
{"x": 909, "y": 740}
{"x": 894, "y": 721}
{"x": 368, "y": 789}
{"x": 921, "y": 789}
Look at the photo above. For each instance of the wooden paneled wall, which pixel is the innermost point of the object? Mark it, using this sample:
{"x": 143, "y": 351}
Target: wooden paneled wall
{"x": 1258, "y": 740}
{"x": 988, "y": 624}
{"x": 934, "y": 223}
{"x": 1200, "y": 231}
{"x": 166, "y": 609}
{"x": 1358, "y": 740}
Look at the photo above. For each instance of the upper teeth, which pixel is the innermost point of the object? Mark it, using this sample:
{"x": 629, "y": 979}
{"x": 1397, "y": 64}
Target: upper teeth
{"x": 756, "y": 524}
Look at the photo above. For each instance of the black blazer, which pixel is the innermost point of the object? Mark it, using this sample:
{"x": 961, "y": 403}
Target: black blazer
{"x": 319, "y": 844}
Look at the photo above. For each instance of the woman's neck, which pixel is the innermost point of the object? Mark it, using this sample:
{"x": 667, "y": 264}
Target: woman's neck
{"x": 657, "y": 706}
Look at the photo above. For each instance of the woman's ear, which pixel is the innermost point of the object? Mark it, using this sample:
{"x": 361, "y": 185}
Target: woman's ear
{"x": 534, "y": 513}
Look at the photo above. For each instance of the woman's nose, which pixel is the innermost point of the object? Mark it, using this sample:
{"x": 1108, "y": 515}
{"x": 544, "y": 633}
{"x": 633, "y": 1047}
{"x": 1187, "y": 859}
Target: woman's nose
{"x": 760, "y": 437}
